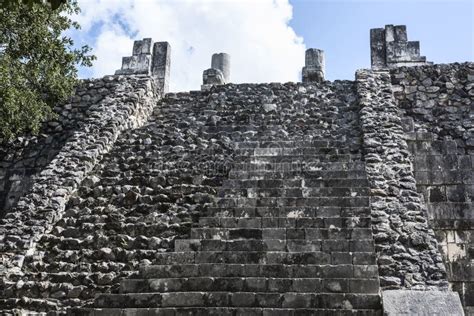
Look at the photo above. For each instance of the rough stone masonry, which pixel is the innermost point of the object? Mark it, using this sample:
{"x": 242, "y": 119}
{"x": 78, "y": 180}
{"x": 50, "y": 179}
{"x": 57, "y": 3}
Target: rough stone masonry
{"x": 331, "y": 198}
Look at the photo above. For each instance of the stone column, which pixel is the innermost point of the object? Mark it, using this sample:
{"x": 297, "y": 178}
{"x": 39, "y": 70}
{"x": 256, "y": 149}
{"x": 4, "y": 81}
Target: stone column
{"x": 221, "y": 61}
{"x": 314, "y": 68}
{"x": 160, "y": 66}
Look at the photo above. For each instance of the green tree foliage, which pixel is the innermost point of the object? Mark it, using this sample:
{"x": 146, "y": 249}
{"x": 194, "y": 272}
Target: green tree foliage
{"x": 54, "y": 4}
{"x": 38, "y": 62}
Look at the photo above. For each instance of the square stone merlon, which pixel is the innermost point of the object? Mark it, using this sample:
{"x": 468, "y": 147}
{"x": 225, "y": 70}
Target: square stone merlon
{"x": 423, "y": 303}
{"x": 390, "y": 48}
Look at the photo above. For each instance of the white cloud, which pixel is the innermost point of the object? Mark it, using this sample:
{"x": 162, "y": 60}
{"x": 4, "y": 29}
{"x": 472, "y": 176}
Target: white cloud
{"x": 263, "y": 47}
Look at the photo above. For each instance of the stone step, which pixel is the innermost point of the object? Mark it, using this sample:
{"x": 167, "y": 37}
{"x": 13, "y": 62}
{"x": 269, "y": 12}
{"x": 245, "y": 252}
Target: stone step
{"x": 260, "y": 257}
{"x": 85, "y": 229}
{"x": 308, "y": 165}
{"x": 58, "y": 278}
{"x": 292, "y": 245}
{"x": 309, "y": 158}
{"x": 250, "y": 284}
{"x": 240, "y": 299}
{"x": 291, "y": 144}
{"x": 224, "y": 311}
{"x": 280, "y": 150}
{"x": 289, "y": 212}
{"x": 284, "y": 222}
{"x": 294, "y": 201}
{"x": 289, "y": 171}
{"x": 277, "y": 180}
{"x": 282, "y": 233}
{"x": 125, "y": 242}
{"x": 259, "y": 270}
{"x": 119, "y": 256}
{"x": 292, "y": 192}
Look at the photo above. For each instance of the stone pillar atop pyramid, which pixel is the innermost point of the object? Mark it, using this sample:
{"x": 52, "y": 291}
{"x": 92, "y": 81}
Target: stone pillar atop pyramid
{"x": 148, "y": 58}
{"x": 313, "y": 71}
{"x": 390, "y": 48}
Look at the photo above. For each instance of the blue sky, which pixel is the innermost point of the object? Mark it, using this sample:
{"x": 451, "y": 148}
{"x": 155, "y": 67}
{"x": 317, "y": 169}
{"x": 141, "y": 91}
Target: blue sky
{"x": 445, "y": 29}
{"x": 267, "y": 38}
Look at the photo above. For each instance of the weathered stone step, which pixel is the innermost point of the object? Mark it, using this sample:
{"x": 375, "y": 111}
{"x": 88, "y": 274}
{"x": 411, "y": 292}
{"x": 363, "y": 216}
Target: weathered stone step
{"x": 291, "y": 245}
{"x": 294, "y": 201}
{"x": 281, "y": 233}
{"x": 85, "y": 227}
{"x": 64, "y": 277}
{"x": 277, "y": 180}
{"x": 292, "y": 192}
{"x": 250, "y": 284}
{"x": 289, "y": 212}
{"x": 126, "y": 242}
{"x": 82, "y": 256}
{"x": 289, "y": 171}
{"x": 283, "y": 150}
{"x": 260, "y": 257}
{"x": 27, "y": 306}
{"x": 309, "y": 164}
{"x": 291, "y": 144}
{"x": 224, "y": 311}
{"x": 285, "y": 222}
{"x": 240, "y": 299}
{"x": 314, "y": 158}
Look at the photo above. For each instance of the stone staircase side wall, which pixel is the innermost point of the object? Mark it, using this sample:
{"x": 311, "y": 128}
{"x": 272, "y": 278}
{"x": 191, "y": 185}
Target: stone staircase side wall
{"x": 408, "y": 255}
{"x": 437, "y": 105}
{"x": 127, "y": 106}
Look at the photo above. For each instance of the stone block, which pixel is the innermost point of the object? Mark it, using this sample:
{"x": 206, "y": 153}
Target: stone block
{"x": 314, "y": 69}
{"x": 390, "y": 48}
{"x": 161, "y": 63}
{"x": 406, "y": 302}
{"x": 456, "y": 193}
{"x": 142, "y": 47}
{"x": 437, "y": 194}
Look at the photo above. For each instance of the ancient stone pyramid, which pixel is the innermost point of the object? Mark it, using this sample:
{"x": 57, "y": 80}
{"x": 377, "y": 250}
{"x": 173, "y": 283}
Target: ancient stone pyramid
{"x": 313, "y": 198}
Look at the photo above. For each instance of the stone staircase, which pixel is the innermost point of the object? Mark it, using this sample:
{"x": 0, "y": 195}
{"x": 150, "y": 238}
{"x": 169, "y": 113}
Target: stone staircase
{"x": 289, "y": 234}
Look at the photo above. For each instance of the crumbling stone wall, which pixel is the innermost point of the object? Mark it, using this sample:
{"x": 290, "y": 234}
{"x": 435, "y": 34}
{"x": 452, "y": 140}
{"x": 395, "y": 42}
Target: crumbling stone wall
{"x": 437, "y": 106}
{"x": 127, "y": 104}
{"x": 22, "y": 159}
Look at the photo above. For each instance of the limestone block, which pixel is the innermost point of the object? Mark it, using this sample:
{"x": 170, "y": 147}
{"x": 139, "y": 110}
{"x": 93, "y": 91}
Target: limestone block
{"x": 160, "y": 65}
{"x": 213, "y": 76}
{"x": 314, "y": 68}
{"x": 139, "y": 64}
{"x": 390, "y": 48}
{"x": 377, "y": 47}
{"x": 405, "y": 302}
{"x": 142, "y": 47}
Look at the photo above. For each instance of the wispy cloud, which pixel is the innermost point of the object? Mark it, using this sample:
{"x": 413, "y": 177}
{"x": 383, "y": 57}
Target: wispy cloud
{"x": 256, "y": 33}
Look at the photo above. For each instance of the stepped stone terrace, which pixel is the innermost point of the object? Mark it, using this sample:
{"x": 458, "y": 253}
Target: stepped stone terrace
{"x": 306, "y": 198}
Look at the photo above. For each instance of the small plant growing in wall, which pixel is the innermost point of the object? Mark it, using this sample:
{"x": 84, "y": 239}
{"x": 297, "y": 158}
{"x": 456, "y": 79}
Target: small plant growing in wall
{"x": 38, "y": 63}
